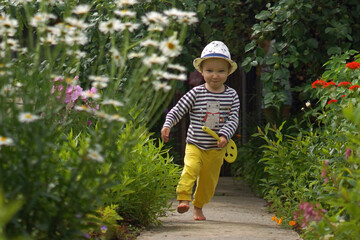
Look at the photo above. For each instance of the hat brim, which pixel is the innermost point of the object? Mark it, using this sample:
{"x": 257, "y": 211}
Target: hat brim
{"x": 197, "y": 62}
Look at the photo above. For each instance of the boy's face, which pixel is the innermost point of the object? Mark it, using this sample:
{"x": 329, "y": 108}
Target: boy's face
{"x": 215, "y": 72}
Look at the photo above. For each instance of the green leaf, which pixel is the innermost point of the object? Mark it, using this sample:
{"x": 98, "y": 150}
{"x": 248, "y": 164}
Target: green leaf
{"x": 246, "y": 61}
{"x": 334, "y": 50}
{"x": 263, "y": 15}
{"x": 250, "y": 45}
{"x": 312, "y": 42}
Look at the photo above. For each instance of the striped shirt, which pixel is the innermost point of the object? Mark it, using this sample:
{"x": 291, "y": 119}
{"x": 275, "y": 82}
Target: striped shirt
{"x": 218, "y": 111}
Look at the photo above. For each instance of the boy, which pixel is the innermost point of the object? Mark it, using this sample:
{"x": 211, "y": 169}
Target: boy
{"x": 216, "y": 106}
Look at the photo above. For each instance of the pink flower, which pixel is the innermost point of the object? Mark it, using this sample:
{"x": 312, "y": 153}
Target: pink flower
{"x": 323, "y": 173}
{"x": 348, "y": 153}
{"x": 73, "y": 93}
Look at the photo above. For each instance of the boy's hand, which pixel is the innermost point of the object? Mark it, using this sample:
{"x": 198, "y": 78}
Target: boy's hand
{"x": 222, "y": 142}
{"x": 165, "y": 132}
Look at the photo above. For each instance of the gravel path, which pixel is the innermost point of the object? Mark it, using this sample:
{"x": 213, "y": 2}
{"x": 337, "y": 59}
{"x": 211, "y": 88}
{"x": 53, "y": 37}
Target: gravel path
{"x": 233, "y": 214}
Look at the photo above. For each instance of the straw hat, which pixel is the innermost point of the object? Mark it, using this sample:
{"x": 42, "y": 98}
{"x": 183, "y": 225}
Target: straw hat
{"x": 215, "y": 49}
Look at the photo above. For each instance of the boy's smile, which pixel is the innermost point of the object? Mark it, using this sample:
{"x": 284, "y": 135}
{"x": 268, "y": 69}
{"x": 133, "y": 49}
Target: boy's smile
{"x": 215, "y": 72}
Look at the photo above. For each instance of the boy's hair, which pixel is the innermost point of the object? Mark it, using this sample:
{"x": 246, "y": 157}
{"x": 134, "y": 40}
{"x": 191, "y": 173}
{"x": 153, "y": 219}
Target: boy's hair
{"x": 201, "y": 64}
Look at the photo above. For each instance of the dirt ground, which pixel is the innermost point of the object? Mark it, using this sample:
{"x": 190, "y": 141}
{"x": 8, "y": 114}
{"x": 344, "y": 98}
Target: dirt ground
{"x": 233, "y": 214}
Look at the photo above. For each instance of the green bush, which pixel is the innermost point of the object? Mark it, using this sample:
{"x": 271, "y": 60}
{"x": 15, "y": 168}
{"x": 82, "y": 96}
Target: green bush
{"x": 71, "y": 77}
{"x": 313, "y": 178}
{"x": 145, "y": 183}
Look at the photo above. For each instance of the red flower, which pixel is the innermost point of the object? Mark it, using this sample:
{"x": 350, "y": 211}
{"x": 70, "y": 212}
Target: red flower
{"x": 354, "y": 87}
{"x": 328, "y": 84}
{"x": 353, "y": 65}
{"x": 344, "y": 84}
{"x": 318, "y": 83}
{"x": 332, "y": 101}
{"x": 343, "y": 95}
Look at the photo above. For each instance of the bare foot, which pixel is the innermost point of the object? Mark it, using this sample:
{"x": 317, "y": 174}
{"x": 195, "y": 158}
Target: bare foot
{"x": 198, "y": 214}
{"x": 183, "y": 206}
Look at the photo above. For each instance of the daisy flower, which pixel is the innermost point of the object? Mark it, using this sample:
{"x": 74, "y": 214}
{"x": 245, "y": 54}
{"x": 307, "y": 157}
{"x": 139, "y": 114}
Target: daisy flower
{"x": 131, "y": 26}
{"x": 99, "y": 78}
{"x": 149, "y": 43}
{"x": 159, "y": 85}
{"x": 9, "y": 25}
{"x": 78, "y": 23}
{"x": 95, "y": 155}
{"x": 155, "y": 59}
{"x": 92, "y": 93}
{"x": 81, "y": 9}
{"x": 125, "y": 13}
{"x": 84, "y": 108}
{"x": 155, "y": 18}
{"x": 49, "y": 39}
{"x": 112, "y": 102}
{"x": 135, "y": 55}
{"x": 177, "y": 67}
{"x": 111, "y": 26}
{"x": 170, "y": 47}
{"x": 121, "y": 3}
{"x": 4, "y": 141}
{"x": 40, "y": 19}
{"x": 188, "y": 18}
{"x": 117, "y": 117}
{"x": 27, "y": 117}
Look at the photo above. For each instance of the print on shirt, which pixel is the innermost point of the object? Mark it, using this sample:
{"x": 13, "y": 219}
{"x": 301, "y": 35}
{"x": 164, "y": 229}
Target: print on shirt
{"x": 212, "y": 117}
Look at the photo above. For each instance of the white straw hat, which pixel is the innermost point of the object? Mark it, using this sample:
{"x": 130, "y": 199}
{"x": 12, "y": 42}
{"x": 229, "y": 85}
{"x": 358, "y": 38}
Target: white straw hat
{"x": 215, "y": 49}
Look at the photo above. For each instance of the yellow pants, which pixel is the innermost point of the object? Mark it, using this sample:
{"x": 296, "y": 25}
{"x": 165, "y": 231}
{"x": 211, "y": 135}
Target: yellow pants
{"x": 203, "y": 166}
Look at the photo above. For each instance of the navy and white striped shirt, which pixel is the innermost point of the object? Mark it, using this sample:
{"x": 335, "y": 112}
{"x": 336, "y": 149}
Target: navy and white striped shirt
{"x": 218, "y": 111}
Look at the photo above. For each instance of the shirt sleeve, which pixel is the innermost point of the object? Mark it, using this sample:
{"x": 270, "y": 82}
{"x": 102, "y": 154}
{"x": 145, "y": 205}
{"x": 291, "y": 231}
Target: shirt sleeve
{"x": 232, "y": 123}
{"x": 183, "y": 106}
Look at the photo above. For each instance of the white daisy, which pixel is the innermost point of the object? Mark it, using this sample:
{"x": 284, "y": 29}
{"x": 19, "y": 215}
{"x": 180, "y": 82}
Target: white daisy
{"x": 117, "y": 117}
{"x": 155, "y": 59}
{"x": 49, "y": 39}
{"x": 27, "y": 117}
{"x": 149, "y": 43}
{"x": 112, "y": 102}
{"x": 41, "y": 19}
{"x": 188, "y": 17}
{"x": 95, "y": 155}
{"x": 99, "y": 78}
{"x": 135, "y": 55}
{"x": 13, "y": 44}
{"x": 99, "y": 85}
{"x": 90, "y": 94}
{"x": 177, "y": 67}
{"x": 81, "y": 9}
{"x": 78, "y": 23}
{"x": 131, "y": 26}
{"x": 75, "y": 37}
{"x": 9, "y": 25}
{"x": 170, "y": 47}
{"x": 7, "y": 90}
{"x": 155, "y": 18}
{"x": 173, "y": 12}
{"x": 155, "y": 28}
{"x": 125, "y": 13}
{"x": 84, "y": 108}
{"x": 159, "y": 85}
{"x": 121, "y": 3}
{"x": 116, "y": 56}
{"x": 4, "y": 141}
{"x": 111, "y": 26}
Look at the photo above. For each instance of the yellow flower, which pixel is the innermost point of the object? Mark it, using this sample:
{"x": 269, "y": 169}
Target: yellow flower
{"x": 280, "y": 221}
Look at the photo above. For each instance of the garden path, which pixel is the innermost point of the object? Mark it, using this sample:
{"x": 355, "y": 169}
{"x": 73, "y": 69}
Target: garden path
{"x": 234, "y": 213}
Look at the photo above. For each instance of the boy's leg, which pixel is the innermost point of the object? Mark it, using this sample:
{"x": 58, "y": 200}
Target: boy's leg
{"x": 212, "y": 161}
{"x": 188, "y": 176}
